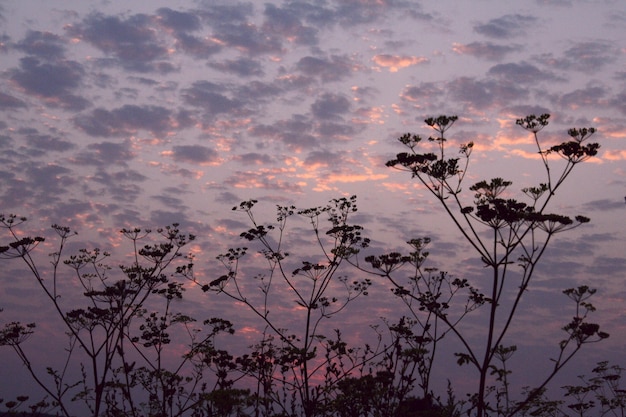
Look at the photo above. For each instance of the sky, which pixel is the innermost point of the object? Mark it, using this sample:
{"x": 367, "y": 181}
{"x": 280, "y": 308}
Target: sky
{"x": 142, "y": 114}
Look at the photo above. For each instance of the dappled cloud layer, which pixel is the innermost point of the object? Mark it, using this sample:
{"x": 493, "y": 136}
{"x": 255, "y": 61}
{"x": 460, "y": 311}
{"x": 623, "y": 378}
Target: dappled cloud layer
{"x": 144, "y": 114}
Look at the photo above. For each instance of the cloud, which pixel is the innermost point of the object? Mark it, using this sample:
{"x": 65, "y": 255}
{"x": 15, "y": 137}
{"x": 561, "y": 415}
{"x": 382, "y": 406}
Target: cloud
{"x": 347, "y": 175}
{"x": 181, "y": 25}
{"x": 197, "y": 47}
{"x": 228, "y": 13}
{"x": 104, "y": 154}
{"x": 49, "y": 181}
{"x": 337, "y": 131}
{"x": 605, "y": 204}
{"x": 521, "y": 73}
{"x": 287, "y": 23}
{"x": 46, "y": 143}
{"x": 558, "y": 3}
{"x": 247, "y": 38}
{"x": 516, "y": 111}
{"x": 318, "y": 15}
{"x": 334, "y": 68}
{"x": 619, "y": 101}
{"x": 44, "y": 45}
{"x": 397, "y": 62}
{"x": 72, "y": 212}
{"x": 358, "y": 12}
{"x": 423, "y": 95}
{"x": 253, "y": 158}
{"x": 258, "y": 92}
{"x": 126, "y": 120}
{"x": 8, "y": 102}
{"x": 322, "y": 158}
{"x": 614, "y": 155}
{"x": 194, "y": 154}
{"x": 612, "y": 128}
{"x": 178, "y": 21}
{"x": 607, "y": 265}
{"x": 586, "y": 57}
{"x": 209, "y": 96}
{"x": 170, "y": 202}
{"x": 274, "y": 179}
{"x": 483, "y": 94}
{"x": 330, "y": 106}
{"x": 295, "y": 132}
{"x": 123, "y": 187}
{"x": 119, "y": 177}
{"x": 243, "y": 67}
{"x": 131, "y": 42}
{"x": 506, "y": 27}
{"x": 230, "y": 198}
{"x": 53, "y": 82}
{"x": 591, "y": 96}
{"x": 485, "y": 50}
{"x": 164, "y": 218}
{"x": 364, "y": 93}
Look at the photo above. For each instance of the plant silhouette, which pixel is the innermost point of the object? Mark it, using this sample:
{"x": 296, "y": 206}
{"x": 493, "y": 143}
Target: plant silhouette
{"x": 119, "y": 355}
{"x": 504, "y": 232}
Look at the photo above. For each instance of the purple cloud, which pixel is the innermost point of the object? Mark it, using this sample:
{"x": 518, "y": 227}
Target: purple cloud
{"x": 486, "y": 50}
{"x": 592, "y": 96}
{"x": 334, "y": 68}
{"x": 506, "y": 27}
{"x": 132, "y": 42}
{"x": 209, "y": 96}
{"x": 248, "y": 38}
{"x": 125, "y": 120}
{"x": 522, "y": 73}
{"x": 585, "y": 57}
{"x": 178, "y": 21}
{"x": 8, "y": 102}
{"x": 52, "y": 82}
{"x": 482, "y": 94}
{"x": 243, "y": 67}
{"x": 194, "y": 154}
{"x": 286, "y": 22}
{"x": 330, "y": 106}
{"x": 44, "y": 45}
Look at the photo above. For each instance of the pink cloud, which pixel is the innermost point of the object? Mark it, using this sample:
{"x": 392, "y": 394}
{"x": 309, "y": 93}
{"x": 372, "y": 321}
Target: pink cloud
{"x": 614, "y": 155}
{"x": 397, "y": 62}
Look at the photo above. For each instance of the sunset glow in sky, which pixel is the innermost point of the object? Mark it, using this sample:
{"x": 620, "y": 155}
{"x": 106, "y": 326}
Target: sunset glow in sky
{"x": 145, "y": 113}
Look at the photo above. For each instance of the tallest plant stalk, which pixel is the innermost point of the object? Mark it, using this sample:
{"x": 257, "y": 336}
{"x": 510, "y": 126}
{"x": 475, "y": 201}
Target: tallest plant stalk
{"x": 517, "y": 230}
{"x": 492, "y": 319}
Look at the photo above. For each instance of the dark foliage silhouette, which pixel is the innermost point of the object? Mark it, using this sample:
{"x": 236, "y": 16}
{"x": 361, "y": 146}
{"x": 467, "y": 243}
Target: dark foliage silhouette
{"x": 120, "y": 359}
{"x": 504, "y": 232}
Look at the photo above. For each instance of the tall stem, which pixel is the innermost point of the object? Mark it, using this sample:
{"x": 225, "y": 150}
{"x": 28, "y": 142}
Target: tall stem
{"x": 492, "y": 322}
